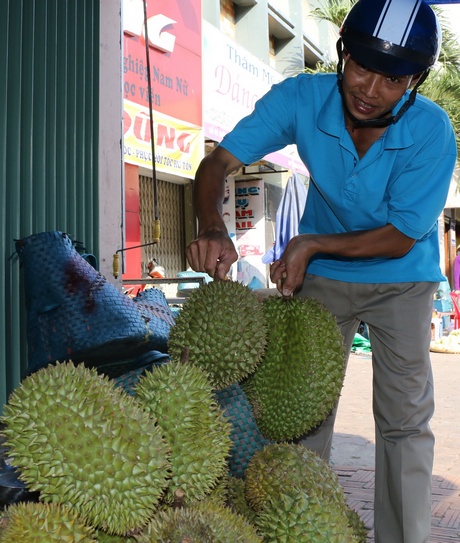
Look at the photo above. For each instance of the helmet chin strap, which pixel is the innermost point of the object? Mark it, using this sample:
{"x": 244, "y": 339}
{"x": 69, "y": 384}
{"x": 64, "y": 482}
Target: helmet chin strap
{"x": 384, "y": 120}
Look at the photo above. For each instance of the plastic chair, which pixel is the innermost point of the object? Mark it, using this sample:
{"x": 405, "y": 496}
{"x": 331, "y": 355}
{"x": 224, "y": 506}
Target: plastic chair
{"x": 456, "y": 303}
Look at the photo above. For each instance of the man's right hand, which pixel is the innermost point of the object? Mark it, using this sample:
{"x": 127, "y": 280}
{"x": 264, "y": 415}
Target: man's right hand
{"x": 212, "y": 252}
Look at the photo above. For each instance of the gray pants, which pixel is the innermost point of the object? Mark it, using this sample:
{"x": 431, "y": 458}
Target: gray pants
{"x": 398, "y": 317}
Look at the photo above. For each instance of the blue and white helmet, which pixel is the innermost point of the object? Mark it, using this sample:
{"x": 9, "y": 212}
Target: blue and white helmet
{"x": 397, "y": 37}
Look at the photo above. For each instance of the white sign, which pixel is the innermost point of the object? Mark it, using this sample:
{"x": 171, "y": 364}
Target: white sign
{"x": 233, "y": 80}
{"x": 250, "y": 232}
{"x": 133, "y": 24}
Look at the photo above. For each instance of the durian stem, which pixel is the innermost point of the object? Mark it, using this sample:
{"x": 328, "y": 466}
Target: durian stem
{"x": 184, "y": 356}
{"x": 179, "y": 498}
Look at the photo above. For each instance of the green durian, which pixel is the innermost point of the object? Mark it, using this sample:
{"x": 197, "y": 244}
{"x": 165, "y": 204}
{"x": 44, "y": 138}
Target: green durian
{"x": 301, "y": 375}
{"x": 44, "y": 522}
{"x": 218, "y": 494}
{"x": 207, "y": 524}
{"x": 3, "y": 523}
{"x": 104, "y": 537}
{"x": 288, "y": 465}
{"x": 296, "y": 516}
{"x": 236, "y": 499}
{"x": 180, "y": 397}
{"x": 357, "y": 525}
{"x": 297, "y": 496}
{"x": 81, "y": 442}
{"x": 222, "y": 327}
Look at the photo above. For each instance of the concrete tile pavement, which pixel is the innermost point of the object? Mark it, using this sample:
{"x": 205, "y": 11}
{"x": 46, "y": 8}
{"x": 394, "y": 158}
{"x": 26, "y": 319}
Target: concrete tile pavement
{"x": 353, "y": 444}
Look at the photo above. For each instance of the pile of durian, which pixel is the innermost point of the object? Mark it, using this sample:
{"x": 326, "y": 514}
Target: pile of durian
{"x": 154, "y": 466}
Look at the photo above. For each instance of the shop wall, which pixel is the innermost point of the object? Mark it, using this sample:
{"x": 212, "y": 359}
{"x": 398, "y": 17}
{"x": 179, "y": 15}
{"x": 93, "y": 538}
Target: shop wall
{"x": 174, "y": 32}
{"x": 110, "y": 171}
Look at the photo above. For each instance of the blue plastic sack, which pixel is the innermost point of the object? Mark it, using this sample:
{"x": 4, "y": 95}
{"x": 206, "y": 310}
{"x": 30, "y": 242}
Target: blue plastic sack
{"x": 74, "y": 313}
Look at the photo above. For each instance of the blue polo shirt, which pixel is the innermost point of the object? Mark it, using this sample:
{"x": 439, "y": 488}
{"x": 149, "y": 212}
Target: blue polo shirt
{"x": 403, "y": 179}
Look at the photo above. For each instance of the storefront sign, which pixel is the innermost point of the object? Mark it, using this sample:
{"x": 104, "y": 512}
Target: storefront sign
{"x": 174, "y": 31}
{"x": 234, "y": 80}
{"x": 178, "y": 145}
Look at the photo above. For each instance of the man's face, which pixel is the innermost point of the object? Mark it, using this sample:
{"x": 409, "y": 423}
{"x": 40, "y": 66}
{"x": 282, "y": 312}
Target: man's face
{"x": 369, "y": 94}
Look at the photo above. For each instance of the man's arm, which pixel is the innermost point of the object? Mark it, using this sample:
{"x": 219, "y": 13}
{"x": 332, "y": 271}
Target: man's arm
{"x": 213, "y": 250}
{"x": 288, "y": 272}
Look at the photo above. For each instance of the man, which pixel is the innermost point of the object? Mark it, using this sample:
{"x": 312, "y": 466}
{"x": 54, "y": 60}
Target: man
{"x": 155, "y": 271}
{"x": 381, "y": 159}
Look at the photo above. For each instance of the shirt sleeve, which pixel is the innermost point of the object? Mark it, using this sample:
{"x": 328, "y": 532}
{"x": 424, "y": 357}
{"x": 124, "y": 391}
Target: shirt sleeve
{"x": 269, "y": 128}
{"x": 418, "y": 196}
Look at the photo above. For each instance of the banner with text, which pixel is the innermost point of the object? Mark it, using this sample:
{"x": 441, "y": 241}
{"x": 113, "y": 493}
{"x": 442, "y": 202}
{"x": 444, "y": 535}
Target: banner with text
{"x": 234, "y": 80}
{"x": 250, "y": 231}
{"x": 174, "y": 31}
{"x": 174, "y": 34}
{"x": 178, "y": 145}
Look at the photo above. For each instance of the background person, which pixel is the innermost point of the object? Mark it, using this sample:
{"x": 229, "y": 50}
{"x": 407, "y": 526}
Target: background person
{"x": 154, "y": 271}
{"x": 457, "y": 271}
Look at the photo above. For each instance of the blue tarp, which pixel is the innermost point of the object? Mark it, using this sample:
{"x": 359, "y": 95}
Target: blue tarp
{"x": 361, "y": 345}
{"x": 288, "y": 217}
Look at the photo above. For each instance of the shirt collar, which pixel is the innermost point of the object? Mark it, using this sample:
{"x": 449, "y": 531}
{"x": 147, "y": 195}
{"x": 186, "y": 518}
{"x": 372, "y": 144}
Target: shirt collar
{"x": 331, "y": 121}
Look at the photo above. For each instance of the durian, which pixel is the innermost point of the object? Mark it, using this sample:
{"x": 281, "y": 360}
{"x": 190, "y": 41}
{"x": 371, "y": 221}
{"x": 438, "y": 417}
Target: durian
{"x": 296, "y": 516}
{"x": 104, "y": 537}
{"x": 297, "y": 496}
{"x": 47, "y": 523}
{"x": 289, "y": 465}
{"x": 3, "y": 523}
{"x": 209, "y": 524}
{"x": 81, "y": 442}
{"x": 180, "y": 397}
{"x": 236, "y": 499}
{"x": 223, "y": 328}
{"x": 218, "y": 494}
{"x": 301, "y": 375}
{"x": 357, "y": 525}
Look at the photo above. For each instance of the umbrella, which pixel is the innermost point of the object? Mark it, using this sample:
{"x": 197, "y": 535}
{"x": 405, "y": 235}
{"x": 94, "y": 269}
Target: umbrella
{"x": 288, "y": 217}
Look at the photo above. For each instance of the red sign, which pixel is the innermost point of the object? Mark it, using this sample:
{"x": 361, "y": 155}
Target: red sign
{"x": 174, "y": 32}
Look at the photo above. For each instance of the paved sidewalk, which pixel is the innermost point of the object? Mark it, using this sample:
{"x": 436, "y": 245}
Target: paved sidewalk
{"x": 353, "y": 444}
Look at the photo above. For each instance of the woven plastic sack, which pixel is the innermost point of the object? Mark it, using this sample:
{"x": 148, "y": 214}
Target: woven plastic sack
{"x": 74, "y": 313}
{"x": 152, "y": 305}
{"x": 246, "y": 436}
{"x": 127, "y": 381}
